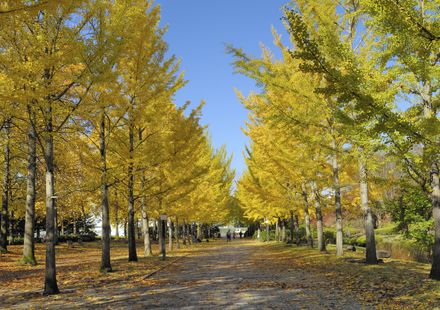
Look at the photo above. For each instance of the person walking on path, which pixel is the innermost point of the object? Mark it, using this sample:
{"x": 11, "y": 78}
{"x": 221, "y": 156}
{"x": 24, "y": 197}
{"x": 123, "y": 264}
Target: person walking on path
{"x": 228, "y": 236}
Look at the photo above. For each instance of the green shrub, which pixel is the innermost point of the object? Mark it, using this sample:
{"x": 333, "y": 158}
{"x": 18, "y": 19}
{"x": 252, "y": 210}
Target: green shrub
{"x": 330, "y": 236}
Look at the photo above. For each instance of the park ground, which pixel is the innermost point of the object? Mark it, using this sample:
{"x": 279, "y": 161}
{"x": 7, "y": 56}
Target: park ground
{"x": 238, "y": 275}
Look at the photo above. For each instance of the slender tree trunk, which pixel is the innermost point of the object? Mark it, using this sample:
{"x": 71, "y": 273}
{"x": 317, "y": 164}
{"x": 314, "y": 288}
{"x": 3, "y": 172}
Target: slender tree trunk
{"x": 277, "y": 231}
{"x": 297, "y": 237}
{"x": 84, "y": 219}
{"x": 199, "y": 231}
{"x": 292, "y": 226}
{"x": 184, "y": 232}
{"x": 319, "y": 224}
{"x": 162, "y": 233}
{"x": 176, "y": 233}
{"x": 283, "y": 231}
{"x": 11, "y": 228}
{"x": 132, "y": 255}
{"x": 170, "y": 235}
{"x": 370, "y": 257}
{"x": 338, "y": 206}
{"x": 435, "y": 198}
{"x": 6, "y": 189}
{"x": 50, "y": 280}
{"x": 75, "y": 230}
{"x": 259, "y": 233}
{"x": 145, "y": 224}
{"x": 62, "y": 226}
{"x": 307, "y": 217}
{"x": 105, "y": 207}
{"x": 29, "y": 226}
{"x": 267, "y": 231}
{"x": 125, "y": 228}
{"x": 116, "y": 216}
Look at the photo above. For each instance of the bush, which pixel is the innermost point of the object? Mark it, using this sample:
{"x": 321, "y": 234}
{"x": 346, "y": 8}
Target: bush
{"x": 263, "y": 235}
{"x": 17, "y": 241}
{"x": 330, "y": 236}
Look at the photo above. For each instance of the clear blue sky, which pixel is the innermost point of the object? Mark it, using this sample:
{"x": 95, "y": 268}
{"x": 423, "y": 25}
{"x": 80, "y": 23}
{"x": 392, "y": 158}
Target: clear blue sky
{"x": 198, "y": 32}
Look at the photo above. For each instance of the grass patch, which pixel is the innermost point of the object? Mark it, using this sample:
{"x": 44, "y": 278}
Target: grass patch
{"x": 395, "y": 284}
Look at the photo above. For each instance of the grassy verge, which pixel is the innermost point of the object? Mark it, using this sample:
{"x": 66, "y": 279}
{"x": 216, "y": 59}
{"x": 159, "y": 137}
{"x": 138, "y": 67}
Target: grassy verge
{"x": 395, "y": 284}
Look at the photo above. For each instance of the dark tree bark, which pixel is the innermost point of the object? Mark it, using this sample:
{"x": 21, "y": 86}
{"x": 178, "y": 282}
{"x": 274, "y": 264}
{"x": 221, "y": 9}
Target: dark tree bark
{"x": 292, "y": 226}
{"x": 132, "y": 255}
{"x": 307, "y": 217}
{"x": 267, "y": 231}
{"x": 435, "y": 198}
{"x": 370, "y": 254}
{"x": 297, "y": 237}
{"x": 176, "y": 233}
{"x": 116, "y": 215}
{"x": 4, "y": 227}
{"x": 105, "y": 207}
{"x": 50, "y": 280}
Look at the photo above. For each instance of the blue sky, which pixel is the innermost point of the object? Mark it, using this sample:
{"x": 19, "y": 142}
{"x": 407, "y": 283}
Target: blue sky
{"x": 198, "y": 32}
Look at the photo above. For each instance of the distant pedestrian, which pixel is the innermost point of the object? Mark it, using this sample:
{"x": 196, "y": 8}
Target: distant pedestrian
{"x": 241, "y": 234}
{"x": 228, "y": 236}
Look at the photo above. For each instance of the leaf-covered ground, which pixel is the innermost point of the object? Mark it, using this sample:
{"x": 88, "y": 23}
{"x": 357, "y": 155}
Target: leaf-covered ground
{"x": 394, "y": 284}
{"x": 240, "y": 274}
{"x": 78, "y": 273}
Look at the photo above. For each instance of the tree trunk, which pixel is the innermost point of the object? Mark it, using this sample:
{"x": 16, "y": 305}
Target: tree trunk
{"x": 154, "y": 230}
{"x": 62, "y": 226}
{"x": 267, "y": 231}
{"x": 199, "y": 231}
{"x": 29, "y": 226}
{"x": 297, "y": 237}
{"x": 125, "y": 228}
{"x": 292, "y": 226}
{"x": 184, "y": 232}
{"x": 370, "y": 257}
{"x": 105, "y": 207}
{"x": 283, "y": 231}
{"x": 162, "y": 233}
{"x": 338, "y": 207}
{"x": 132, "y": 255}
{"x": 176, "y": 233}
{"x": 75, "y": 231}
{"x": 116, "y": 217}
{"x": 309, "y": 236}
{"x": 50, "y": 280}
{"x": 428, "y": 112}
{"x": 6, "y": 189}
{"x": 277, "y": 231}
{"x": 84, "y": 219}
{"x": 435, "y": 198}
{"x": 145, "y": 223}
{"x": 319, "y": 224}
{"x": 170, "y": 235}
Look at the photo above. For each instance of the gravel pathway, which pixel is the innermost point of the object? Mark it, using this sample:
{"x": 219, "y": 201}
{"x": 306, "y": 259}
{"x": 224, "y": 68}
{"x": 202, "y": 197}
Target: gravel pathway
{"x": 233, "y": 276}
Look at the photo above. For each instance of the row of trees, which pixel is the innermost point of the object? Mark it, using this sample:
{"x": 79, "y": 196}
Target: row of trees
{"x": 87, "y": 100}
{"x": 348, "y": 117}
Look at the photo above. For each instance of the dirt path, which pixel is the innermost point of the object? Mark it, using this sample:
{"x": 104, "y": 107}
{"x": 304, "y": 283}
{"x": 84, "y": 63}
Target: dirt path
{"x": 237, "y": 275}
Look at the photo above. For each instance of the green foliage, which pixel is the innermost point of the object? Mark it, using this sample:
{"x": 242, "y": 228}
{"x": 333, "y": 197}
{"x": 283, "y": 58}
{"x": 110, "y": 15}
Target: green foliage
{"x": 410, "y": 210}
{"x": 421, "y": 232}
